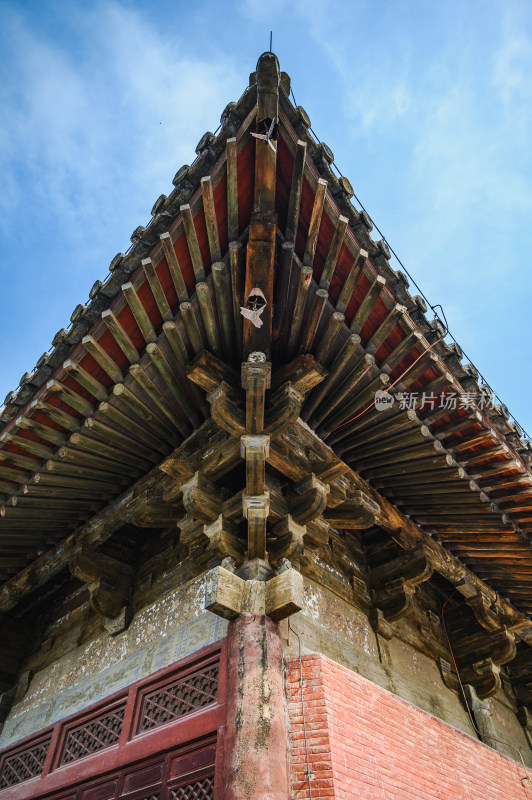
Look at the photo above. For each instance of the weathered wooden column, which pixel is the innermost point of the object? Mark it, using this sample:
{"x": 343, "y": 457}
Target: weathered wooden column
{"x": 255, "y": 743}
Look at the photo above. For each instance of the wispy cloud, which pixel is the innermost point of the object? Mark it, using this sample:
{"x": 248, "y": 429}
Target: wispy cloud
{"x": 74, "y": 121}
{"x": 96, "y": 118}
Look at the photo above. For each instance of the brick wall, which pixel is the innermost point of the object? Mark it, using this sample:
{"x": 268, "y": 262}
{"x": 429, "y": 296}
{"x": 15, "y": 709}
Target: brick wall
{"x": 365, "y": 742}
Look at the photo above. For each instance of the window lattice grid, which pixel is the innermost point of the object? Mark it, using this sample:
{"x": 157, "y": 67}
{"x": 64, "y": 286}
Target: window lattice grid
{"x": 98, "y": 734}
{"x": 202, "y": 789}
{"x": 179, "y": 698}
{"x": 24, "y": 765}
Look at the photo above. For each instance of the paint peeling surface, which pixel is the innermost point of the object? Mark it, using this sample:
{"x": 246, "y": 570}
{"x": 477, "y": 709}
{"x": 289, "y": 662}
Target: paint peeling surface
{"x": 170, "y": 629}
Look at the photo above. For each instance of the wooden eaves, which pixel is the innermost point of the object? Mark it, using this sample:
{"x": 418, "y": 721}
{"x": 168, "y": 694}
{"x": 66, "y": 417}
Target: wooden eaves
{"x": 138, "y": 408}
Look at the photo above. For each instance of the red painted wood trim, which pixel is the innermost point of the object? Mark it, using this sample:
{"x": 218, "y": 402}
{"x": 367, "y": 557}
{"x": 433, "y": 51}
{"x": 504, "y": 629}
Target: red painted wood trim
{"x": 132, "y": 747}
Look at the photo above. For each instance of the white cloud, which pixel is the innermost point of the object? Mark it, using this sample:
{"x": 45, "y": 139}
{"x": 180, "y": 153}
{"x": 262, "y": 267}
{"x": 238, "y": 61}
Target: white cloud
{"x": 96, "y": 118}
{"x": 107, "y": 119}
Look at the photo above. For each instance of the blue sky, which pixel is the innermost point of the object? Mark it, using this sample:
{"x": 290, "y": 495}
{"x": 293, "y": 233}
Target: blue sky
{"x": 427, "y": 107}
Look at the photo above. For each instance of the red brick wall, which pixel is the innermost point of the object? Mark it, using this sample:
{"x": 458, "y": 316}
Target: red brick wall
{"x": 365, "y": 742}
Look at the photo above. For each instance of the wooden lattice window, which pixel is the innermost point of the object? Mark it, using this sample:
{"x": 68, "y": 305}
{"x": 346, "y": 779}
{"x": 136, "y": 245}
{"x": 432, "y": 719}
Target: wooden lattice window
{"x": 179, "y": 697}
{"x": 97, "y": 734}
{"x": 24, "y": 764}
{"x": 125, "y": 745}
{"x": 202, "y": 789}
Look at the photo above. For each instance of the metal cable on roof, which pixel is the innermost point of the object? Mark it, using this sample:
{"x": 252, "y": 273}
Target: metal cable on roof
{"x": 432, "y": 306}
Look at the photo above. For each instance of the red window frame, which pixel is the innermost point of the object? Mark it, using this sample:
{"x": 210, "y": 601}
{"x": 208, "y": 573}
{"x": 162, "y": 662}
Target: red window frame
{"x": 65, "y": 782}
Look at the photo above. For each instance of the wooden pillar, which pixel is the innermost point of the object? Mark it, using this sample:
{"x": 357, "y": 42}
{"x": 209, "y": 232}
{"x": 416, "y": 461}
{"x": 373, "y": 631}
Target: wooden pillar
{"x": 256, "y": 738}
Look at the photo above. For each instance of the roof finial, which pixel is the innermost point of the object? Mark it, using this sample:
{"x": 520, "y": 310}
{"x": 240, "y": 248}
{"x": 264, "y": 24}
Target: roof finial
{"x": 271, "y": 41}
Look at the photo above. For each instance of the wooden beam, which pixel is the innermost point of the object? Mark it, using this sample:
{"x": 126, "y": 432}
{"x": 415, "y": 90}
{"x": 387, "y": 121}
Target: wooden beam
{"x": 348, "y": 387}
{"x": 191, "y": 326}
{"x": 152, "y": 391}
{"x": 282, "y": 284}
{"x": 173, "y": 267}
{"x": 210, "y": 218}
{"x": 157, "y": 290}
{"x": 192, "y": 242}
{"x": 103, "y": 359}
{"x": 237, "y": 291}
{"x": 143, "y": 411}
{"x": 24, "y": 443}
{"x": 70, "y": 397}
{"x": 351, "y": 280}
{"x": 124, "y": 441}
{"x": 83, "y": 441}
{"x": 303, "y": 286}
{"x": 222, "y": 290}
{"x": 368, "y": 303}
{"x": 266, "y": 152}
{"x": 414, "y": 339}
{"x": 232, "y": 190}
{"x": 349, "y": 349}
{"x": 180, "y": 397}
{"x": 256, "y": 379}
{"x": 138, "y": 430}
{"x": 209, "y": 317}
{"x": 321, "y": 296}
{"x": 260, "y": 261}
{"x": 356, "y": 405}
{"x": 294, "y": 202}
{"x": 139, "y": 312}
{"x": 85, "y": 379}
{"x": 68, "y": 421}
{"x": 334, "y": 252}
{"x": 385, "y": 328}
{"x": 314, "y": 225}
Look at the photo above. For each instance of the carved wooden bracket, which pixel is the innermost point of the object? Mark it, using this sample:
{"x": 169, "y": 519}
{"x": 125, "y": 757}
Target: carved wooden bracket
{"x": 255, "y": 449}
{"x": 479, "y": 653}
{"x": 448, "y": 675}
{"x": 288, "y": 541}
{"x": 201, "y": 498}
{"x": 225, "y": 411}
{"x": 256, "y": 378}
{"x": 379, "y": 624}
{"x": 304, "y": 373}
{"x": 345, "y": 556}
{"x": 357, "y": 513}
{"x": 318, "y": 532}
{"x": 310, "y": 499}
{"x": 224, "y": 540}
{"x": 209, "y": 372}
{"x": 484, "y": 610}
{"x": 156, "y": 513}
{"x": 256, "y": 509}
{"x": 228, "y": 596}
{"x": 340, "y": 490}
{"x": 285, "y": 408}
{"x": 393, "y": 583}
{"x": 108, "y": 581}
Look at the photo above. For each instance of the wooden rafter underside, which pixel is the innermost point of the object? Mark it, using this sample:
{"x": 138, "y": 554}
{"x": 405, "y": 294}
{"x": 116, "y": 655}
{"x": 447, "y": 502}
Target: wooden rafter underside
{"x": 118, "y": 400}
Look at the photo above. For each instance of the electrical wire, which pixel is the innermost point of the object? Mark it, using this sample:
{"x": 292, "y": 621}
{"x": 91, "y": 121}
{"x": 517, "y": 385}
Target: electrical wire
{"x": 386, "y": 391}
{"x": 308, "y": 772}
{"x": 469, "y": 711}
{"x": 432, "y": 306}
